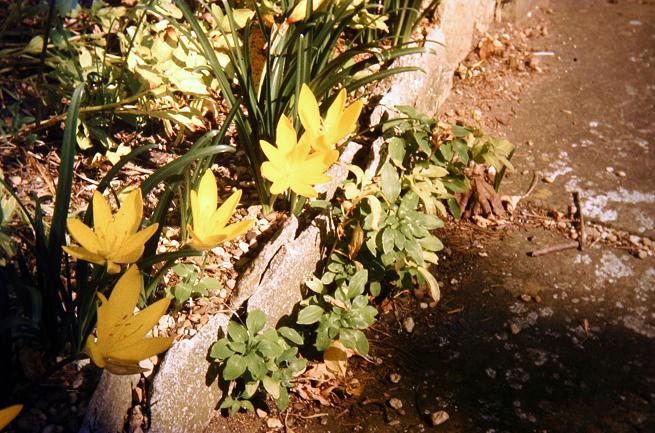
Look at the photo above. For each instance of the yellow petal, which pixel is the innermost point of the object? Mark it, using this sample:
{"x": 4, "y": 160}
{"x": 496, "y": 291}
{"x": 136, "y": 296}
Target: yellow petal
{"x": 303, "y": 189}
{"x": 285, "y": 137}
{"x": 121, "y": 302}
{"x": 222, "y": 215}
{"x": 84, "y": 254}
{"x": 272, "y": 153}
{"x": 278, "y": 187}
{"x": 129, "y": 215}
{"x": 102, "y": 219}
{"x": 197, "y": 241}
{"x": 83, "y": 235}
{"x": 143, "y": 349}
{"x": 234, "y": 230}
{"x": 195, "y": 209}
{"x": 348, "y": 121}
{"x": 8, "y": 414}
{"x": 112, "y": 268}
{"x": 308, "y": 111}
{"x": 207, "y": 195}
{"x": 334, "y": 112}
{"x": 137, "y": 326}
{"x": 121, "y": 368}
{"x": 91, "y": 349}
{"x": 132, "y": 247}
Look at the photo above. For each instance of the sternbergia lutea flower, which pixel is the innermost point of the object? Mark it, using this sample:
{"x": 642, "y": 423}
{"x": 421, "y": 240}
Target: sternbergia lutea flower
{"x": 339, "y": 122}
{"x": 114, "y": 240}
{"x": 292, "y": 164}
{"x": 210, "y": 225}
{"x": 119, "y": 343}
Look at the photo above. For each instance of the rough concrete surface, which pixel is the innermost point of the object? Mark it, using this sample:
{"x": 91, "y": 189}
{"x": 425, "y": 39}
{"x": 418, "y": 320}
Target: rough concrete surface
{"x": 184, "y": 392}
{"x": 109, "y": 406}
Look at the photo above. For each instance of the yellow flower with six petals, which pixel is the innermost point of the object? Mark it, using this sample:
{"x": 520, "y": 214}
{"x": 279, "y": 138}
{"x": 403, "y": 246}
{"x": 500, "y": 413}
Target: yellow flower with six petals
{"x": 339, "y": 122}
{"x": 114, "y": 240}
{"x": 292, "y": 164}
{"x": 209, "y": 223}
{"x": 120, "y": 342}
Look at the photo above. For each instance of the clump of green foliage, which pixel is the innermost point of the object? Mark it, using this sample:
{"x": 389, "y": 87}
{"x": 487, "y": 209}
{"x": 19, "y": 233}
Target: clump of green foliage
{"x": 257, "y": 360}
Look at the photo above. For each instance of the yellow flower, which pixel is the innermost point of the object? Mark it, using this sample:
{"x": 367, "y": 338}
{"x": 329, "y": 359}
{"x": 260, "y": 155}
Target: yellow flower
{"x": 8, "y": 414}
{"x": 210, "y": 224}
{"x": 324, "y": 134}
{"x": 300, "y": 11}
{"x": 120, "y": 345}
{"x": 113, "y": 240}
{"x": 291, "y": 164}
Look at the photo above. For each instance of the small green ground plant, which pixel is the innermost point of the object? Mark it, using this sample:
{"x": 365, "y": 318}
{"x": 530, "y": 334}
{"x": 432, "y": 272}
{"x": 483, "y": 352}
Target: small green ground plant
{"x": 256, "y": 360}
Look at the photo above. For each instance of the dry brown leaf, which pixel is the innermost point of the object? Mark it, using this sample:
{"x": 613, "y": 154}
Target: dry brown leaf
{"x": 336, "y": 358}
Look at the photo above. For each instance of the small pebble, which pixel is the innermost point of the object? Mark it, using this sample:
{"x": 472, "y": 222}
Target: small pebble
{"x": 274, "y": 423}
{"x": 610, "y": 169}
{"x": 548, "y": 179}
{"x": 621, "y": 174}
{"x": 394, "y": 377}
{"x": 423, "y": 305}
{"x": 408, "y": 324}
{"x": 514, "y": 328}
{"x": 642, "y": 254}
{"x": 439, "y": 417}
{"x": 526, "y": 298}
{"x": 396, "y": 403}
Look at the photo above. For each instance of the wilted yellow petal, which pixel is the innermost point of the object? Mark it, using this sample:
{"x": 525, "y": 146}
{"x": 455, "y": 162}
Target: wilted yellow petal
{"x": 8, "y": 414}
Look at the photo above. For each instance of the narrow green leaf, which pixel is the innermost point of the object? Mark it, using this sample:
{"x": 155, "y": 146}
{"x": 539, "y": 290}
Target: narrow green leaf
{"x": 64, "y": 184}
